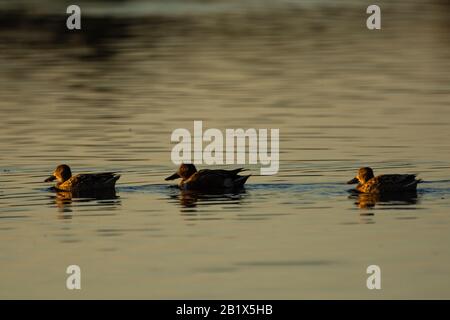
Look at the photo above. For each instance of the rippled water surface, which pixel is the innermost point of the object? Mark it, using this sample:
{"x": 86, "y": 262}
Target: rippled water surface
{"x": 108, "y": 98}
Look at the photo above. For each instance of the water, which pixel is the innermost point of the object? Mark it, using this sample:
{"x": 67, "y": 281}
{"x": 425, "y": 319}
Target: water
{"x": 108, "y": 99}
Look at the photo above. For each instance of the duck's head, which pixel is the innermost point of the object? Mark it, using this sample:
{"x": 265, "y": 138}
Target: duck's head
{"x": 364, "y": 175}
{"x": 184, "y": 171}
{"x": 62, "y": 173}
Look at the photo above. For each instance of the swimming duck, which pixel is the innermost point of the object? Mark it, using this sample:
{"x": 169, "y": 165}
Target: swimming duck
{"x": 368, "y": 183}
{"x": 82, "y": 182}
{"x": 208, "y": 180}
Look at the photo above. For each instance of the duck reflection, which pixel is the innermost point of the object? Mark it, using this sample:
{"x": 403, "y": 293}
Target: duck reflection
{"x": 370, "y": 200}
{"x": 65, "y": 199}
{"x": 190, "y": 199}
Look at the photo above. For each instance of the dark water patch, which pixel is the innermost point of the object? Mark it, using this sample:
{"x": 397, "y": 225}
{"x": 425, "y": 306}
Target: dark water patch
{"x": 151, "y": 188}
{"x": 111, "y": 234}
{"x": 237, "y": 207}
{"x": 307, "y": 148}
{"x": 215, "y": 270}
{"x": 126, "y": 230}
{"x": 300, "y": 175}
{"x": 14, "y": 208}
{"x": 220, "y": 201}
{"x": 203, "y": 219}
{"x": 387, "y": 147}
{"x": 28, "y": 204}
{"x": 349, "y": 223}
{"x": 434, "y": 193}
{"x": 287, "y": 263}
{"x": 324, "y": 127}
{"x": 324, "y": 189}
{"x": 70, "y": 241}
{"x": 436, "y": 181}
{"x": 250, "y": 219}
{"x": 12, "y": 217}
{"x": 397, "y": 207}
{"x": 107, "y": 249}
{"x": 313, "y": 207}
{"x": 19, "y": 196}
{"x": 261, "y": 214}
{"x": 133, "y": 159}
{"x": 82, "y": 214}
{"x": 189, "y": 212}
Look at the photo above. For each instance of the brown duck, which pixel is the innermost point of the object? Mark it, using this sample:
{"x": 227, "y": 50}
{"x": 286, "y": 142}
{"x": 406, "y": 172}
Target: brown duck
{"x": 82, "y": 182}
{"x": 386, "y": 183}
{"x": 208, "y": 180}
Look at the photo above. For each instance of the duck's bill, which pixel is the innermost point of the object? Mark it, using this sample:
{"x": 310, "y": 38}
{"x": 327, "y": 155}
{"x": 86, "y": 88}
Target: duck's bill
{"x": 173, "y": 177}
{"x": 49, "y": 179}
{"x": 353, "y": 181}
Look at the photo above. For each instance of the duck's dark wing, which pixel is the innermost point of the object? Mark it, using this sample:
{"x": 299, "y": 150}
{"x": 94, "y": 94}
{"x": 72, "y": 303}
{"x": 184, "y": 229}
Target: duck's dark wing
{"x": 393, "y": 182}
{"x": 102, "y": 180}
{"x": 218, "y": 179}
{"x": 401, "y": 179}
{"x": 223, "y": 173}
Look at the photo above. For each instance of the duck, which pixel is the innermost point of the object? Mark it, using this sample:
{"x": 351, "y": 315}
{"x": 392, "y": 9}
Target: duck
{"x": 86, "y": 182}
{"x": 208, "y": 180}
{"x": 387, "y": 183}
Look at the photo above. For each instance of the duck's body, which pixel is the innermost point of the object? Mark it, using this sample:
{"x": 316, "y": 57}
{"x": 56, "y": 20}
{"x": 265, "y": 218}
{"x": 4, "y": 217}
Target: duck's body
{"x": 89, "y": 181}
{"x": 104, "y": 181}
{"x": 387, "y": 183}
{"x": 208, "y": 180}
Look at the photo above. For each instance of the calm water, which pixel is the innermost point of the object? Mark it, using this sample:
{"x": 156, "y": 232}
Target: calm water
{"x": 108, "y": 98}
